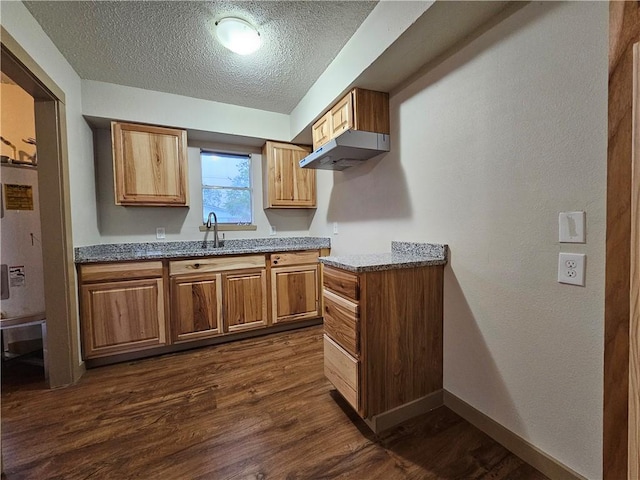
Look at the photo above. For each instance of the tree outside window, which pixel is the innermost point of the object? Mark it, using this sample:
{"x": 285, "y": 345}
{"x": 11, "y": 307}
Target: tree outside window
{"x": 226, "y": 187}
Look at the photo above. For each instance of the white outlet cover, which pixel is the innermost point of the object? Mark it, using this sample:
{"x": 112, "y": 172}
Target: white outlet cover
{"x": 571, "y": 268}
{"x": 571, "y": 227}
{"x": 160, "y": 233}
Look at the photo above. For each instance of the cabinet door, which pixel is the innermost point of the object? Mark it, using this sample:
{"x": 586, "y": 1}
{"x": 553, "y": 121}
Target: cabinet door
{"x": 286, "y": 184}
{"x": 197, "y": 303}
{"x": 245, "y": 300}
{"x": 370, "y": 111}
{"x": 120, "y": 317}
{"x": 150, "y": 165}
{"x": 342, "y": 115}
{"x": 295, "y": 293}
{"x": 321, "y": 131}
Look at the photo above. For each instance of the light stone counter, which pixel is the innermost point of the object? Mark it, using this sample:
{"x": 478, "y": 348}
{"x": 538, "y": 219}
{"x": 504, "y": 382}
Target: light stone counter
{"x": 116, "y": 252}
{"x": 402, "y": 255}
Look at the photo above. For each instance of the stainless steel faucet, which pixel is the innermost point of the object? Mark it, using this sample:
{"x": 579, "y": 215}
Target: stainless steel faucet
{"x": 216, "y": 241}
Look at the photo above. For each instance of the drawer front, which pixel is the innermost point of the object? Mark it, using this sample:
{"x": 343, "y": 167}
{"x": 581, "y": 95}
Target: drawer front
{"x": 293, "y": 258}
{"x": 120, "y": 271}
{"x": 342, "y": 371}
{"x": 341, "y": 322}
{"x": 341, "y": 282}
{"x": 216, "y": 264}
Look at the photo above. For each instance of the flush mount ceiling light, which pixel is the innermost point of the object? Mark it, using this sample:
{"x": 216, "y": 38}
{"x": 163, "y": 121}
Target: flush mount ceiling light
{"x": 238, "y": 36}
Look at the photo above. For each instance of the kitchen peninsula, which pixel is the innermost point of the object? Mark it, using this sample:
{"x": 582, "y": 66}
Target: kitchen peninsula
{"x": 383, "y": 324}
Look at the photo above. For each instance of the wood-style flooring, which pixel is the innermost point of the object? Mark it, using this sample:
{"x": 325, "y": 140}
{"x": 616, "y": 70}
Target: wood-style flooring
{"x": 254, "y": 409}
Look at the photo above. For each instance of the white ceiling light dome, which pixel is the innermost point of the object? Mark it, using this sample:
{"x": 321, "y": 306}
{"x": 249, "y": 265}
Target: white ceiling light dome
{"x": 238, "y": 35}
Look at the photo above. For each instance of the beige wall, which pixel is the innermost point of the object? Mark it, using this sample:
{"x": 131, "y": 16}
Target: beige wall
{"x": 487, "y": 148}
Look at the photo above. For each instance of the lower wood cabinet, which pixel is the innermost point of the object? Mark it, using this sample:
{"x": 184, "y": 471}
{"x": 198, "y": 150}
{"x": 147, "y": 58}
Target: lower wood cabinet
{"x": 295, "y": 286}
{"x": 245, "y": 300}
{"x": 128, "y": 307}
{"x": 122, "y": 312}
{"x": 383, "y": 337}
{"x": 212, "y": 296}
{"x": 197, "y": 307}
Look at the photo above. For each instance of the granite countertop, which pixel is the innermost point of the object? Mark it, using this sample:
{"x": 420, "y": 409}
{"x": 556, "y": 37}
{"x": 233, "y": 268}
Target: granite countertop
{"x": 114, "y": 252}
{"x": 402, "y": 255}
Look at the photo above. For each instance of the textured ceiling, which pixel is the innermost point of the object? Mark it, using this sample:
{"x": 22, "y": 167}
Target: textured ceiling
{"x": 166, "y": 46}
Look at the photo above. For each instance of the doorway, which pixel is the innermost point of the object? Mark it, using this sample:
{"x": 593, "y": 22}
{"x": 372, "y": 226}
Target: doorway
{"x": 23, "y": 318}
{"x": 61, "y": 342}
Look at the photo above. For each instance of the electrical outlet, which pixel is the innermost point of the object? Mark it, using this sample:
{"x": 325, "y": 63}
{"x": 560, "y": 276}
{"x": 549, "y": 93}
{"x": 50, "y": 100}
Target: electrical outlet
{"x": 160, "y": 233}
{"x": 335, "y": 228}
{"x": 272, "y": 230}
{"x": 571, "y": 268}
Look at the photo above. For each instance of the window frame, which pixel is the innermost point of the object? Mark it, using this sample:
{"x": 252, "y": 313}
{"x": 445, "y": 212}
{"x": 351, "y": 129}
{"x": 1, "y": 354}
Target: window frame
{"x": 224, "y": 225}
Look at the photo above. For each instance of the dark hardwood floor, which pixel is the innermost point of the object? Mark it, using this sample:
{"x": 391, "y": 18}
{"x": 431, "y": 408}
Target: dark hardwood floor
{"x": 254, "y": 409}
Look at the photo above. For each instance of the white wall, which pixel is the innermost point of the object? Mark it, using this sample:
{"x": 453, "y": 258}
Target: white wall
{"x": 19, "y": 23}
{"x": 487, "y": 148}
{"x": 120, "y": 224}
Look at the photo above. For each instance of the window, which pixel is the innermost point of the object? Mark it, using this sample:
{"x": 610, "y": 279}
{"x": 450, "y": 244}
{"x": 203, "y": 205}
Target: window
{"x": 226, "y": 187}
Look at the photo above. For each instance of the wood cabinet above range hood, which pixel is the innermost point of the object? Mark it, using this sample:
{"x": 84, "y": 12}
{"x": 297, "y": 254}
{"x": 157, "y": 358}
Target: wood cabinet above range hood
{"x": 355, "y": 129}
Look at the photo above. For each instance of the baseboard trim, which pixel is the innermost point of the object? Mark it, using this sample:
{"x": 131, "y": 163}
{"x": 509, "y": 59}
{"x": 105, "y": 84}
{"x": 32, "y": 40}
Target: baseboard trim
{"x": 409, "y": 410}
{"x": 528, "y": 452}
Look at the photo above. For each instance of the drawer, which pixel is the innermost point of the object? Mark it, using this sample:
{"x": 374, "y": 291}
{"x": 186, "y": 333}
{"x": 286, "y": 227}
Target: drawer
{"x": 342, "y": 371}
{"x": 120, "y": 271}
{"x": 341, "y": 322}
{"x": 216, "y": 264}
{"x": 341, "y": 282}
{"x": 293, "y": 258}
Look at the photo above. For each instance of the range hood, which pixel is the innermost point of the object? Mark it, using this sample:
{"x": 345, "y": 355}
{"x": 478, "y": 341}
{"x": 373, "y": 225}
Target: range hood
{"x": 346, "y": 150}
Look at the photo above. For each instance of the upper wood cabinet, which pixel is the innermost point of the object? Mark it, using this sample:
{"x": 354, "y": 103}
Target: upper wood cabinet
{"x": 359, "y": 109}
{"x": 321, "y": 130}
{"x": 149, "y": 165}
{"x": 286, "y": 185}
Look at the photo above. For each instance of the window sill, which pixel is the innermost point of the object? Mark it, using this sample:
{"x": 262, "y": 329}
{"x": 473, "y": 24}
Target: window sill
{"x": 229, "y": 227}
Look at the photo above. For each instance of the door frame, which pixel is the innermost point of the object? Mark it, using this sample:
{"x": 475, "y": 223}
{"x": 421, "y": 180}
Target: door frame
{"x": 62, "y": 342}
{"x": 634, "y": 314}
{"x": 622, "y": 277}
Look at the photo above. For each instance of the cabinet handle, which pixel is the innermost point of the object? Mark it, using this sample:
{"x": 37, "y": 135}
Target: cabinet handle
{"x": 196, "y": 265}
{"x": 275, "y": 262}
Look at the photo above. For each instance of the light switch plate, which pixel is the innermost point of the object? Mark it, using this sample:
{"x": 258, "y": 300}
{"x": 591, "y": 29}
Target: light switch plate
{"x": 571, "y": 268}
{"x": 571, "y": 227}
